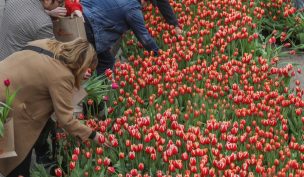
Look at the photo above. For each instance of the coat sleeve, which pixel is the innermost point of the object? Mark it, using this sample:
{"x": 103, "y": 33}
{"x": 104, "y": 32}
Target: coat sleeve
{"x": 61, "y": 94}
{"x": 136, "y": 22}
{"x": 71, "y": 6}
{"x": 167, "y": 12}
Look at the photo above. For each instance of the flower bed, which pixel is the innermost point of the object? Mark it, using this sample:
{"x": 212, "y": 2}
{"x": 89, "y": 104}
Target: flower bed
{"x": 213, "y": 103}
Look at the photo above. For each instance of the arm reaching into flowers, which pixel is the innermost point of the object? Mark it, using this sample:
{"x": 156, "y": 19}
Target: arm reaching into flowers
{"x": 136, "y": 22}
{"x": 61, "y": 93}
{"x": 167, "y": 12}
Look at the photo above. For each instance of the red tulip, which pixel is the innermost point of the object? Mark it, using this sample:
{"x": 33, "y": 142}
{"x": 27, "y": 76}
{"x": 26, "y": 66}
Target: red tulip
{"x": 121, "y": 155}
{"x": 74, "y": 157}
{"x": 131, "y": 155}
{"x": 7, "y": 82}
{"x": 58, "y": 172}
{"x": 111, "y": 169}
{"x": 141, "y": 166}
{"x": 76, "y": 151}
{"x": 97, "y": 168}
{"x": 115, "y": 86}
{"x": 99, "y": 150}
{"x": 107, "y": 162}
{"x": 134, "y": 172}
{"x": 88, "y": 155}
{"x": 72, "y": 165}
{"x": 101, "y": 139}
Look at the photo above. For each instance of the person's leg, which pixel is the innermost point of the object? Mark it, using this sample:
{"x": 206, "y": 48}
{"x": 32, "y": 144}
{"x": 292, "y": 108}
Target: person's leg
{"x": 42, "y": 147}
{"x": 23, "y": 169}
{"x": 105, "y": 61}
{"x": 115, "y": 48}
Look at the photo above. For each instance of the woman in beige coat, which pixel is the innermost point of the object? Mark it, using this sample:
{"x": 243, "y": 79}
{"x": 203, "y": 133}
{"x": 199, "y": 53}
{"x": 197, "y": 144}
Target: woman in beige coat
{"x": 45, "y": 86}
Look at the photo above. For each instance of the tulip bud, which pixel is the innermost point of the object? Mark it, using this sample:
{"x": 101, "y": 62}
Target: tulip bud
{"x": 106, "y": 98}
{"x": 111, "y": 169}
{"x": 106, "y": 161}
{"x": 99, "y": 150}
{"x": 141, "y": 166}
{"x": 97, "y": 168}
{"x": 132, "y": 155}
{"x": 121, "y": 155}
{"x": 101, "y": 139}
{"x": 76, "y": 151}
{"x": 58, "y": 172}
{"x": 134, "y": 172}
{"x": 88, "y": 155}
{"x": 7, "y": 82}
{"x": 74, "y": 157}
{"x": 108, "y": 72}
{"x": 72, "y": 165}
{"x": 115, "y": 86}
{"x": 99, "y": 161}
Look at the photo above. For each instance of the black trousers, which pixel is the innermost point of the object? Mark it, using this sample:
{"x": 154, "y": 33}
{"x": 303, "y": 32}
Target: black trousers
{"x": 41, "y": 145}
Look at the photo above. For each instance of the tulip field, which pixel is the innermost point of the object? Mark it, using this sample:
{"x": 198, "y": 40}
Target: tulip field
{"x": 214, "y": 102}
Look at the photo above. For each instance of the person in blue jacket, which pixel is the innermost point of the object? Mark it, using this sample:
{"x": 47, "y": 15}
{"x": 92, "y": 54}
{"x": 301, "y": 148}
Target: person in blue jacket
{"x": 107, "y": 20}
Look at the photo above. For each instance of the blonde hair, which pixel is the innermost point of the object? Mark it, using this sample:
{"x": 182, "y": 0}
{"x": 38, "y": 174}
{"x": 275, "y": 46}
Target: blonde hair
{"x": 78, "y": 55}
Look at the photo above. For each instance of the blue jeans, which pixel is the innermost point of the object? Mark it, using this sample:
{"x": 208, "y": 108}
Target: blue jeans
{"x": 105, "y": 59}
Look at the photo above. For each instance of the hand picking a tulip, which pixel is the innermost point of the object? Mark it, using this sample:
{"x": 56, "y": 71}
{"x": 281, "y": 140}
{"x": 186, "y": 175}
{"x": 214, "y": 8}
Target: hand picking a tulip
{"x": 178, "y": 30}
{"x": 100, "y": 139}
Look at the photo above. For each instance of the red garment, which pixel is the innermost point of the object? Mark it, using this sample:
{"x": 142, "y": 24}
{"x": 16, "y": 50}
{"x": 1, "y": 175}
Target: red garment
{"x": 72, "y": 5}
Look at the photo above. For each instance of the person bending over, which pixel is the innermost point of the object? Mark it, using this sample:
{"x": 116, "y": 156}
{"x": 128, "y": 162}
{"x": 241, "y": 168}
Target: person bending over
{"x": 107, "y": 20}
{"x": 47, "y": 73}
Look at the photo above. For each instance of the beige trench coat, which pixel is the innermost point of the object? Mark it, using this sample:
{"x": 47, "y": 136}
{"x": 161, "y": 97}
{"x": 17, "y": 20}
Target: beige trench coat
{"x": 45, "y": 86}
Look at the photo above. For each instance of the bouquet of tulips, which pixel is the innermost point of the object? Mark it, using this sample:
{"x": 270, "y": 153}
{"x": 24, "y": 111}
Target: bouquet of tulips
{"x": 5, "y": 107}
{"x": 98, "y": 88}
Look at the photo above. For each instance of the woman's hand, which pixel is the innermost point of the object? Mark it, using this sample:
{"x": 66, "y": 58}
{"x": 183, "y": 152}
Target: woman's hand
{"x": 77, "y": 13}
{"x": 178, "y": 30}
{"x": 101, "y": 139}
{"x": 57, "y": 12}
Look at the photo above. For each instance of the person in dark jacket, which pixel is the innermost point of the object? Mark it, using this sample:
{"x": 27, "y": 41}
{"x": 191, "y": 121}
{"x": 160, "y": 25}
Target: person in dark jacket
{"x": 107, "y": 20}
{"x": 167, "y": 12}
